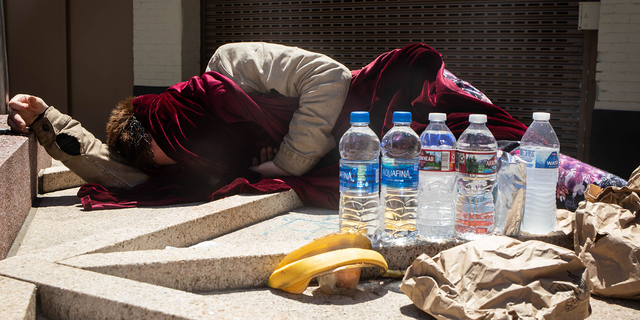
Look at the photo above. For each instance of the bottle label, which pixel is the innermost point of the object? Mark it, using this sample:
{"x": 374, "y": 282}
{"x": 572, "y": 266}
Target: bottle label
{"x": 476, "y": 162}
{"x": 546, "y": 158}
{"x": 361, "y": 176}
{"x": 400, "y": 173}
{"x": 437, "y": 160}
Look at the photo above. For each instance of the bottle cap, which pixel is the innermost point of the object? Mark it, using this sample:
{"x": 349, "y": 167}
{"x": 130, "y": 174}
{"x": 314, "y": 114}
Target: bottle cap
{"x": 401, "y": 116}
{"x": 437, "y": 116}
{"x": 541, "y": 116}
{"x": 478, "y": 118}
{"x": 359, "y": 116}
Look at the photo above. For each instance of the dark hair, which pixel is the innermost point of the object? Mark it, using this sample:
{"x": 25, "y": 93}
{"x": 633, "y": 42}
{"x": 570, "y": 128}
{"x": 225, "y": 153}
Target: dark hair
{"x": 127, "y": 136}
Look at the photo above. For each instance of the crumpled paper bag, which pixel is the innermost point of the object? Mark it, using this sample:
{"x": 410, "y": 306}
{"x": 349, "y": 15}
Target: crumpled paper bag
{"x": 499, "y": 277}
{"x": 607, "y": 238}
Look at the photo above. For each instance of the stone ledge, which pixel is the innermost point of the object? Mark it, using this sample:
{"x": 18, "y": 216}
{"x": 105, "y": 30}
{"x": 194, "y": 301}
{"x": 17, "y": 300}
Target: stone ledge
{"x": 63, "y": 230}
{"x": 18, "y": 299}
{"x": 70, "y": 293}
{"x": 83, "y": 267}
{"x": 21, "y": 158}
{"x": 245, "y": 258}
{"x": 57, "y": 178}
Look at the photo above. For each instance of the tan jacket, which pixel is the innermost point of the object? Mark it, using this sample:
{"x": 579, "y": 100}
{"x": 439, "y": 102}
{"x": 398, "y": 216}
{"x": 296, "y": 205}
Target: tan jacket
{"x": 321, "y": 84}
{"x": 66, "y": 140}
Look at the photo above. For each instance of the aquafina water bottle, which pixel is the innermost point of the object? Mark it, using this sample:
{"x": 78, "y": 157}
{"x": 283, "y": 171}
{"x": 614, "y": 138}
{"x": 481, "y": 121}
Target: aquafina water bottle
{"x": 437, "y": 180}
{"x": 359, "y": 178}
{"x": 476, "y": 166}
{"x": 399, "y": 186}
{"x": 540, "y": 149}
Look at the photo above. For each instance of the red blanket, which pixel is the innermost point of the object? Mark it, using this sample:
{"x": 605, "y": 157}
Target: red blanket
{"x": 213, "y": 130}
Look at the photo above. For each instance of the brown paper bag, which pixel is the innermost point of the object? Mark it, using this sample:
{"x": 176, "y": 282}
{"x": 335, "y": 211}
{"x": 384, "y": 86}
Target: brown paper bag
{"x": 500, "y": 278}
{"x": 607, "y": 237}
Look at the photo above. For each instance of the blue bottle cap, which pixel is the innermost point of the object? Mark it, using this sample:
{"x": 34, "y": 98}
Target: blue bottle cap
{"x": 359, "y": 116}
{"x": 401, "y": 116}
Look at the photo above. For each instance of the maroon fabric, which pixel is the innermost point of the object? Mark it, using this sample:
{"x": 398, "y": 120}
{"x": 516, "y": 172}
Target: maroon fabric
{"x": 213, "y": 129}
{"x": 94, "y": 196}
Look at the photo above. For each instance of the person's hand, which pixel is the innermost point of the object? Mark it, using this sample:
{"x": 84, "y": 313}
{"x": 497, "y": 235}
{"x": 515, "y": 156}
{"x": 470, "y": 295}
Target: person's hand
{"x": 266, "y": 154}
{"x": 265, "y": 167}
{"x": 269, "y": 170}
{"x": 24, "y": 110}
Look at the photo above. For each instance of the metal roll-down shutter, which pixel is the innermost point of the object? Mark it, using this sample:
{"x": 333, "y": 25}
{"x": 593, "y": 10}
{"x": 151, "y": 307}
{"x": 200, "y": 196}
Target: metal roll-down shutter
{"x": 525, "y": 56}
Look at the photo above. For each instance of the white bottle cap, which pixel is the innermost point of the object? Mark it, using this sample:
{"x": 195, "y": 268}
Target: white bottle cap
{"x": 541, "y": 116}
{"x": 478, "y": 118}
{"x": 437, "y": 116}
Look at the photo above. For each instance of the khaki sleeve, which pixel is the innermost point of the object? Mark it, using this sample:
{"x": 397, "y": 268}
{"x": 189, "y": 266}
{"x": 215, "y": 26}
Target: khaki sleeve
{"x": 90, "y": 159}
{"x": 320, "y": 82}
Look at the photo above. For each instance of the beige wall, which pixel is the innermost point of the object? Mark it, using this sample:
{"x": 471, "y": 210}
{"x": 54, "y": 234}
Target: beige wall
{"x": 77, "y": 58}
{"x": 618, "y": 68}
{"x": 166, "y": 43}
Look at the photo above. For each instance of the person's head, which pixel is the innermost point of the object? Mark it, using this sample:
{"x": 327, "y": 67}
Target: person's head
{"x": 127, "y": 136}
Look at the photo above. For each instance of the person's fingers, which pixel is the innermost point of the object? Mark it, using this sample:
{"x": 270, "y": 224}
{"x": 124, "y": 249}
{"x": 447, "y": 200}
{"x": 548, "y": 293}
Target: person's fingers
{"x": 270, "y": 154}
{"x": 32, "y": 101}
{"x": 17, "y": 118}
{"x": 263, "y": 155}
{"x": 16, "y": 123}
{"x": 19, "y": 102}
{"x": 255, "y": 161}
{"x": 11, "y": 123}
{"x": 37, "y": 105}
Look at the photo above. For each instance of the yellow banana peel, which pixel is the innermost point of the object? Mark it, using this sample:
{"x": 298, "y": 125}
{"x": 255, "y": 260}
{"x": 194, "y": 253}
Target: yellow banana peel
{"x": 327, "y": 243}
{"x": 323, "y": 256}
{"x": 295, "y": 277}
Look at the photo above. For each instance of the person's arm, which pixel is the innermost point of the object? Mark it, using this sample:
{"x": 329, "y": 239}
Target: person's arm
{"x": 320, "y": 82}
{"x": 66, "y": 140}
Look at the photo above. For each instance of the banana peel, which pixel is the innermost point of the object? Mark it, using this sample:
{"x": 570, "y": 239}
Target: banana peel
{"x": 327, "y": 243}
{"x": 324, "y": 256}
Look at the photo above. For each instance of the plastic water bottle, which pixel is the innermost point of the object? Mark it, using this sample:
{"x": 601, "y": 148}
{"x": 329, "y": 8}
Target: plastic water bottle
{"x": 359, "y": 178}
{"x": 437, "y": 180}
{"x": 476, "y": 166}
{"x": 399, "y": 186}
{"x": 540, "y": 148}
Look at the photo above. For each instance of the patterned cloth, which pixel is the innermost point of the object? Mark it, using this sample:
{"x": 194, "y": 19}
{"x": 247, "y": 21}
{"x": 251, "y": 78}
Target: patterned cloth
{"x": 465, "y": 86}
{"x": 573, "y": 178}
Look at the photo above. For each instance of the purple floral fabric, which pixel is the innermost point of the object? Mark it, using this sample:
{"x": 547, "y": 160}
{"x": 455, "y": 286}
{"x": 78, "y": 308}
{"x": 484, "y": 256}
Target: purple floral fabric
{"x": 573, "y": 178}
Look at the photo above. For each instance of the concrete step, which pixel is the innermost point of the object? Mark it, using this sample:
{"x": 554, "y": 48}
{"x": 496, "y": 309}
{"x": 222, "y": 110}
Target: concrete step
{"x": 57, "y": 177}
{"x": 142, "y": 262}
{"x": 18, "y": 299}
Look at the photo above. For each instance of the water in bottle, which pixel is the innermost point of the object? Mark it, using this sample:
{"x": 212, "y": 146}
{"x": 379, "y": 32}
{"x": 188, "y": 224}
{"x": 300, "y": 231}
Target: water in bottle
{"x": 359, "y": 178}
{"x": 540, "y": 148}
{"x": 399, "y": 186}
{"x": 475, "y": 176}
{"x": 437, "y": 180}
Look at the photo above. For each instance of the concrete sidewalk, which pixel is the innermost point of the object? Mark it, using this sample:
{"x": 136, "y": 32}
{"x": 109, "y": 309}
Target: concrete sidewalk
{"x": 137, "y": 263}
